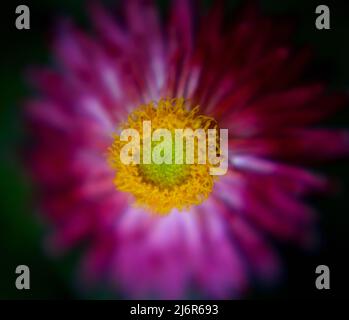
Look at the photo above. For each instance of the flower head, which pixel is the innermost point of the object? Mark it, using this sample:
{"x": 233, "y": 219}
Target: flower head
{"x": 158, "y": 185}
{"x": 166, "y": 229}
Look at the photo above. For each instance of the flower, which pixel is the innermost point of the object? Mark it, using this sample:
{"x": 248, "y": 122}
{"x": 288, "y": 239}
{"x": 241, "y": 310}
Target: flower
{"x": 242, "y": 75}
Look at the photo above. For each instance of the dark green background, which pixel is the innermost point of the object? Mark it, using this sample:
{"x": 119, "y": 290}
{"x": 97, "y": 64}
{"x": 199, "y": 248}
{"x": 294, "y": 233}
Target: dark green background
{"x": 20, "y": 231}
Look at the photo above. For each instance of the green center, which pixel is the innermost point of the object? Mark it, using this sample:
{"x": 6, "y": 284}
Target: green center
{"x": 165, "y": 175}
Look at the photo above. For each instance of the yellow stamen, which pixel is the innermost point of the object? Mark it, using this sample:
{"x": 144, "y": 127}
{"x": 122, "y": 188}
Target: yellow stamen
{"x": 162, "y": 187}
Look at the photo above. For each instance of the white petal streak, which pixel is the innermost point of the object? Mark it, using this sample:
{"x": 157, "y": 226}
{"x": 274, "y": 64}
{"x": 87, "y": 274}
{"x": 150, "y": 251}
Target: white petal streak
{"x": 267, "y": 167}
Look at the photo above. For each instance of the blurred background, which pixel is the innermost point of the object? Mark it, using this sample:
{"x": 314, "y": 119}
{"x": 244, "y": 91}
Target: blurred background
{"x": 20, "y": 230}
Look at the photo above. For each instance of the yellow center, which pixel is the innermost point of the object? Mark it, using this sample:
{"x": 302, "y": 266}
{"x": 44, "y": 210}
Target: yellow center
{"x": 163, "y": 187}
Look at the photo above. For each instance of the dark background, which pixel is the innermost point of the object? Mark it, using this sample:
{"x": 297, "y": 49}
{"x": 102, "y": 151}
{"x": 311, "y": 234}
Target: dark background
{"x": 21, "y": 232}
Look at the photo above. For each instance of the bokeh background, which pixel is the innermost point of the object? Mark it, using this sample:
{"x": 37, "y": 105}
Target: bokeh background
{"x": 21, "y": 232}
